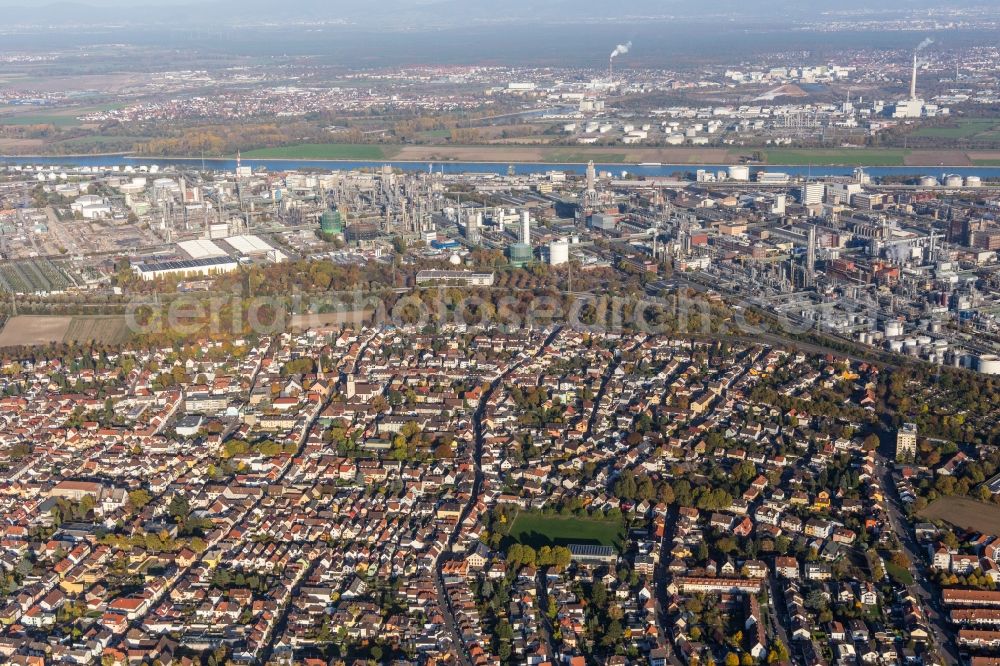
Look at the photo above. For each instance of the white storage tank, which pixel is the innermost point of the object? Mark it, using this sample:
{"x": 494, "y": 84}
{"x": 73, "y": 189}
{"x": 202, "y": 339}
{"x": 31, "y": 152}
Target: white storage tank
{"x": 953, "y": 181}
{"x": 893, "y": 329}
{"x": 928, "y": 181}
{"x": 558, "y": 252}
{"x": 988, "y": 364}
{"x": 973, "y": 181}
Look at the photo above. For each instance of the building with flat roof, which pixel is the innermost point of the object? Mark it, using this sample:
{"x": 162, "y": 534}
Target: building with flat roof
{"x": 186, "y": 267}
{"x": 465, "y": 277}
{"x": 906, "y": 442}
{"x": 77, "y": 490}
{"x": 585, "y": 553}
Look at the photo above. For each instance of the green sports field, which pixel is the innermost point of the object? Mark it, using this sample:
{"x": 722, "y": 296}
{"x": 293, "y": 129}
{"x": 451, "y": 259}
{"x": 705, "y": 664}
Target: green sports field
{"x": 538, "y": 530}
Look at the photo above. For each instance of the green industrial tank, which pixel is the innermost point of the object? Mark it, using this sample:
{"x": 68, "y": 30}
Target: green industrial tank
{"x": 331, "y": 222}
{"x": 520, "y": 254}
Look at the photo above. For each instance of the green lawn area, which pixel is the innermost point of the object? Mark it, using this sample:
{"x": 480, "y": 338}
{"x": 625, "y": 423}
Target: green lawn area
{"x": 538, "y": 530}
{"x": 962, "y": 129}
{"x": 100, "y": 143}
{"x": 838, "y": 157}
{"x": 566, "y": 157}
{"x": 40, "y": 119}
{"x": 986, "y": 163}
{"x": 325, "y": 151}
{"x": 900, "y": 574}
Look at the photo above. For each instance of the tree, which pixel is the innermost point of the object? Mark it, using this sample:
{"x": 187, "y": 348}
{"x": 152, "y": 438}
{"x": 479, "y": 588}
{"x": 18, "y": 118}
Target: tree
{"x": 561, "y": 557}
{"x": 870, "y": 443}
{"x": 613, "y": 635}
{"x": 179, "y": 507}
{"x": 599, "y": 594}
{"x": 900, "y": 559}
{"x": 816, "y": 601}
{"x": 138, "y": 499}
{"x": 732, "y": 659}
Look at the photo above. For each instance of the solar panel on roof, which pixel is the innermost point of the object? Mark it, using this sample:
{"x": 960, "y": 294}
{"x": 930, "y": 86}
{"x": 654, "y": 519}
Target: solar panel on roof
{"x": 587, "y": 549}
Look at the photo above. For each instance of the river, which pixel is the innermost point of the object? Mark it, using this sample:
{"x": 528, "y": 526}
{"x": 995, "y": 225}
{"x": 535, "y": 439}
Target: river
{"x": 119, "y": 162}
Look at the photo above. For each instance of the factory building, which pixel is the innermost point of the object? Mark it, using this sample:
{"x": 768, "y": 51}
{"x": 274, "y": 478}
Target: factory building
{"x": 739, "y": 172}
{"x": 469, "y": 278}
{"x": 186, "y": 268}
{"x": 773, "y": 178}
{"x": 331, "y": 222}
{"x": 91, "y": 207}
{"x": 521, "y": 253}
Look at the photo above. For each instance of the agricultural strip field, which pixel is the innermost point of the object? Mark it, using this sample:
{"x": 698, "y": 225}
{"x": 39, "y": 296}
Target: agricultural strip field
{"x": 965, "y": 513}
{"x": 36, "y": 276}
{"x": 302, "y": 322}
{"x": 29, "y": 330}
{"x": 540, "y": 530}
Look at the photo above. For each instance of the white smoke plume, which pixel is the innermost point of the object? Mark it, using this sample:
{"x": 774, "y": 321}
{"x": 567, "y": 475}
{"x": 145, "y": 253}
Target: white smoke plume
{"x": 924, "y": 44}
{"x": 621, "y": 49}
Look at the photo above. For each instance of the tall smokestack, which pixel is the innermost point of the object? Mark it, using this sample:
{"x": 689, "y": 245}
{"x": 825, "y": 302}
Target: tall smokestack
{"x": 526, "y": 227}
{"x": 913, "y": 79}
{"x": 621, "y": 49}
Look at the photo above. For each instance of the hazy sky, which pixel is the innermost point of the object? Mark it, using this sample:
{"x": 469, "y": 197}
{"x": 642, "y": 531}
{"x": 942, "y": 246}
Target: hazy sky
{"x": 409, "y": 15}
{"x": 573, "y": 7}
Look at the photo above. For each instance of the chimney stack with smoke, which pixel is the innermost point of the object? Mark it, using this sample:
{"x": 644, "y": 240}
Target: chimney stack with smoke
{"x": 913, "y": 79}
{"x": 621, "y": 49}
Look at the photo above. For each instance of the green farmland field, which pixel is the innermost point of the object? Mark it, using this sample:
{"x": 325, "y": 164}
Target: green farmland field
{"x": 968, "y": 128}
{"x": 324, "y": 151}
{"x": 838, "y": 157}
{"x": 577, "y": 157}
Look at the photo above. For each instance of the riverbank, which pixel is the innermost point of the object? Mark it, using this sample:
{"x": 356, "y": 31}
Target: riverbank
{"x": 628, "y": 155}
{"x": 648, "y": 169}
